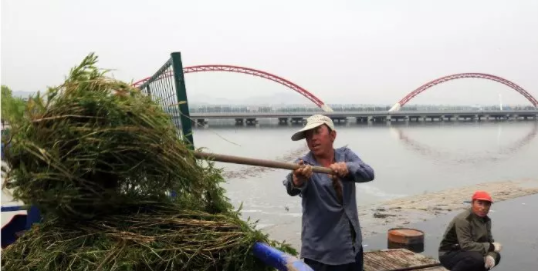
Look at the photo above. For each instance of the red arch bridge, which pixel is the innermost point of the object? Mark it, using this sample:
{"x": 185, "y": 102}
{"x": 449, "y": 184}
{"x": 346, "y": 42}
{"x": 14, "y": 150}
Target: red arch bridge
{"x": 447, "y": 78}
{"x": 318, "y": 102}
{"x": 253, "y": 72}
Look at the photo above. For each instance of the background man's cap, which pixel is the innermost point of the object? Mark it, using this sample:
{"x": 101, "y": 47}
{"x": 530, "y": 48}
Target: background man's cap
{"x": 482, "y": 195}
{"x": 311, "y": 123}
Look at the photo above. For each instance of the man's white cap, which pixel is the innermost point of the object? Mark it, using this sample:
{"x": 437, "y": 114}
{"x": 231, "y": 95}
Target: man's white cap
{"x": 311, "y": 123}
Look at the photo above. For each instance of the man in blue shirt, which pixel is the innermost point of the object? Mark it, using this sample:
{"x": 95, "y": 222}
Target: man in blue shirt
{"x": 331, "y": 235}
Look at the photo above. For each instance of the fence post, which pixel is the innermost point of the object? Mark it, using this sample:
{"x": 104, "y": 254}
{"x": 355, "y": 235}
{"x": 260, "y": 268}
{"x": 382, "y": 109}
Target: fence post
{"x": 181, "y": 92}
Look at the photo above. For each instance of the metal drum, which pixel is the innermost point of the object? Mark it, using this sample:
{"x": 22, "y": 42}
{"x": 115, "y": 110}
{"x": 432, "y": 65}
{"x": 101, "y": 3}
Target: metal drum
{"x": 411, "y": 239}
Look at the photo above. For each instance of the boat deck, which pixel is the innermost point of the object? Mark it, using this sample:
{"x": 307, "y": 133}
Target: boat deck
{"x": 398, "y": 259}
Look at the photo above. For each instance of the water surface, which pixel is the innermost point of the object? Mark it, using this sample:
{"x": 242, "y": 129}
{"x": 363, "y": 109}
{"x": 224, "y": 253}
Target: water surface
{"x": 408, "y": 159}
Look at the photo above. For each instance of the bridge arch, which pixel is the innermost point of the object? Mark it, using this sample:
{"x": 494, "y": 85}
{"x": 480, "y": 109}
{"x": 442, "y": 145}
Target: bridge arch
{"x": 249, "y": 71}
{"x": 447, "y": 78}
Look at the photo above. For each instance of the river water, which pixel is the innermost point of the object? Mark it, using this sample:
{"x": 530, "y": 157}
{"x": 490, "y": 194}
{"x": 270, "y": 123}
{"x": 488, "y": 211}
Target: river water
{"x": 408, "y": 159}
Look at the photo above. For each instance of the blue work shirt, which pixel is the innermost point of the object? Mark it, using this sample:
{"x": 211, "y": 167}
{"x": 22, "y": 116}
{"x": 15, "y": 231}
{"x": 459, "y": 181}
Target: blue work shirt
{"x": 326, "y": 230}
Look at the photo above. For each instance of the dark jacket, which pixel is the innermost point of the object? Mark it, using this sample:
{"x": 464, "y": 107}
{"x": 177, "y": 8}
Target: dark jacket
{"x": 468, "y": 232}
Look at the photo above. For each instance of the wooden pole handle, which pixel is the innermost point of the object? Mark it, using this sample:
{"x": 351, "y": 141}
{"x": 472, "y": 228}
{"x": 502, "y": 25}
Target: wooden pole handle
{"x": 256, "y": 162}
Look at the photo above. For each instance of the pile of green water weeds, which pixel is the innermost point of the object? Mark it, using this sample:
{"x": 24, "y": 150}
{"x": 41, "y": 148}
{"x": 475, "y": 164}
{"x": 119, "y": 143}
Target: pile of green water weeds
{"x": 99, "y": 158}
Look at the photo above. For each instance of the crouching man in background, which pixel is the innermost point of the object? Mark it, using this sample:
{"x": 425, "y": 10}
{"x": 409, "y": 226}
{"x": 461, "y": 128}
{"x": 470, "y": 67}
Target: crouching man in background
{"x": 468, "y": 244}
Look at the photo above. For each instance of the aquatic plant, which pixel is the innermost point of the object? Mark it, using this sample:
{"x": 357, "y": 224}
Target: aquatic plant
{"x": 99, "y": 158}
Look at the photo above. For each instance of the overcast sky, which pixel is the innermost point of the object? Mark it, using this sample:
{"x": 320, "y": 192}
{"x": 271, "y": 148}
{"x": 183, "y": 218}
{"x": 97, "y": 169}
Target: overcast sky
{"x": 342, "y": 51}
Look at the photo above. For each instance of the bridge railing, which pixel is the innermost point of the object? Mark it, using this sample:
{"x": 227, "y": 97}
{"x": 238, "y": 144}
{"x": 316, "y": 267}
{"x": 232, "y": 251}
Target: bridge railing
{"x": 199, "y": 109}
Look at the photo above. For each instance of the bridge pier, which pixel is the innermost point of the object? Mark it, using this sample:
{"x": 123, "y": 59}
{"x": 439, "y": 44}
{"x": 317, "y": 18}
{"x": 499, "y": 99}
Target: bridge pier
{"x": 362, "y": 119}
{"x": 379, "y": 119}
{"x": 251, "y": 121}
{"x": 527, "y": 117}
{"x": 339, "y": 119}
{"x": 499, "y": 117}
{"x": 239, "y": 121}
{"x": 200, "y": 122}
{"x": 434, "y": 118}
{"x": 297, "y": 120}
{"x": 466, "y": 117}
{"x": 282, "y": 120}
{"x": 514, "y": 117}
{"x": 398, "y": 118}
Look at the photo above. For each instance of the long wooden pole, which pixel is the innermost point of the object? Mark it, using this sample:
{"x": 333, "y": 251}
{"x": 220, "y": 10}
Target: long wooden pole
{"x": 256, "y": 162}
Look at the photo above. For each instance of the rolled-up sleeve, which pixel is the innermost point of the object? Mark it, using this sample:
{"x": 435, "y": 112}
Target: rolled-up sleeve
{"x": 291, "y": 188}
{"x": 358, "y": 170}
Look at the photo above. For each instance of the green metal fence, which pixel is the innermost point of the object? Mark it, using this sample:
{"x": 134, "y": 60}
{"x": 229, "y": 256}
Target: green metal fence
{"x": 167, "y": 87}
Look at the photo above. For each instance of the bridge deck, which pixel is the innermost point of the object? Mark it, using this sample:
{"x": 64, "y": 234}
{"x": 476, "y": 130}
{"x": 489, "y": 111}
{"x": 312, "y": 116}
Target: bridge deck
{"x": 232, "y": 115}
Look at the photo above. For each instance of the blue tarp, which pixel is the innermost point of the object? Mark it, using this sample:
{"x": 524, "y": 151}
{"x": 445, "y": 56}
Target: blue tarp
{"x": 278, "y": 259}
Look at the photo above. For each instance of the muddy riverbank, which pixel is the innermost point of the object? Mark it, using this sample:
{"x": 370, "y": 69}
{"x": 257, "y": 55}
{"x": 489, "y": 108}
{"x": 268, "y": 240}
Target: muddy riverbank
{"x": 379, "y": 217}
{"x": 402, "y": 211}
